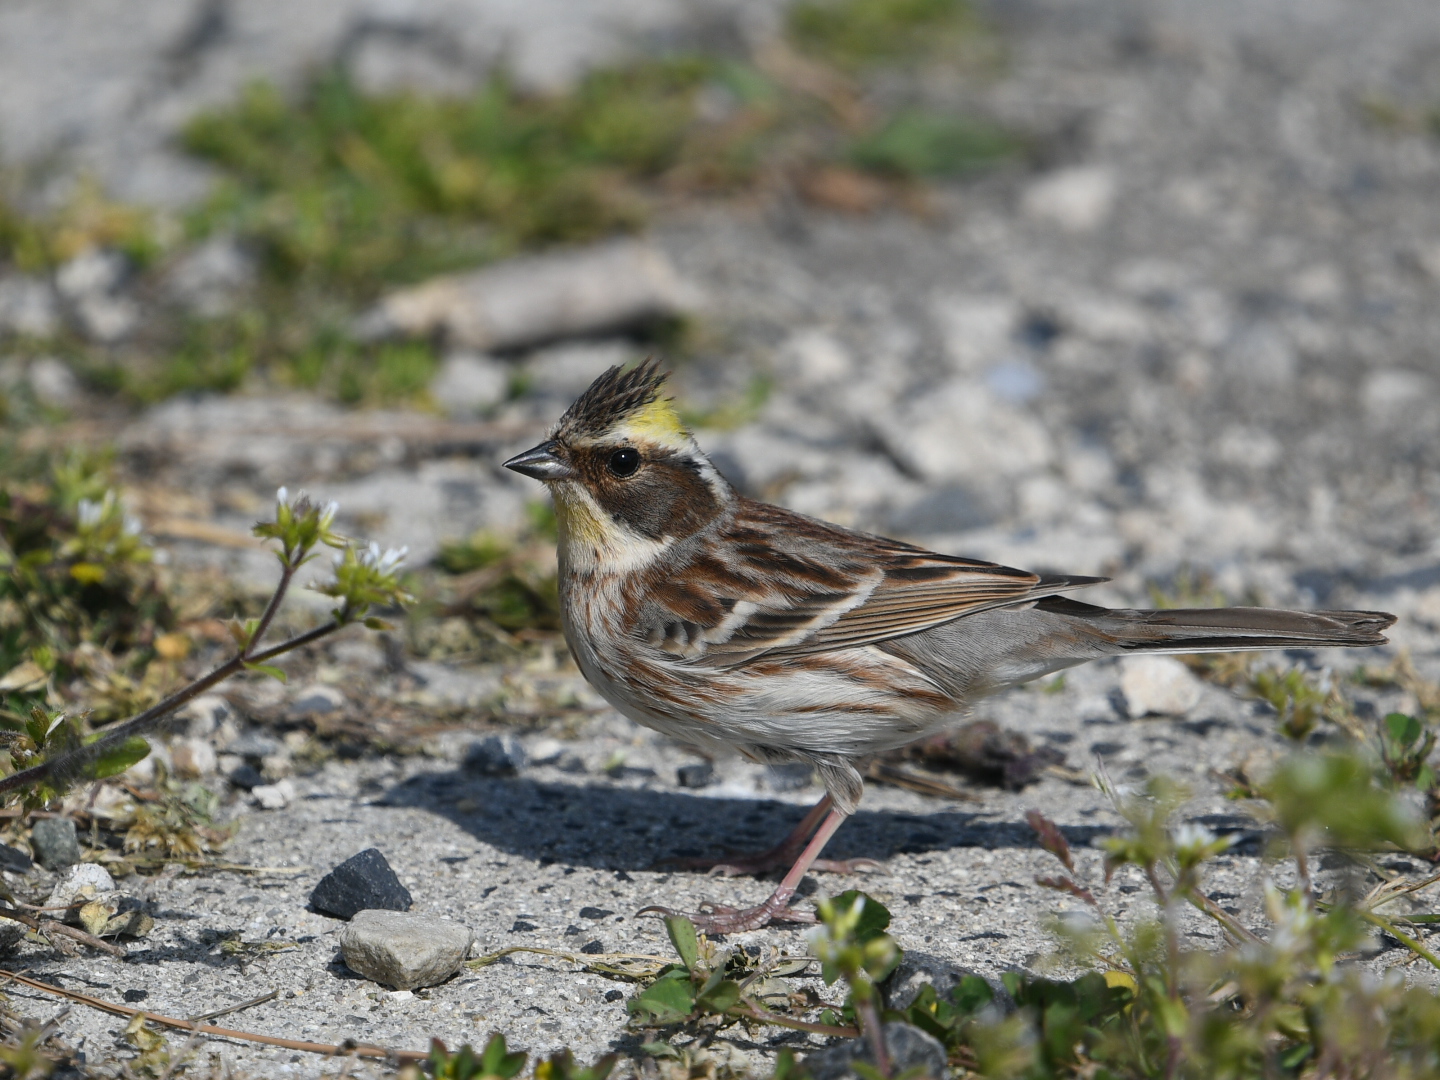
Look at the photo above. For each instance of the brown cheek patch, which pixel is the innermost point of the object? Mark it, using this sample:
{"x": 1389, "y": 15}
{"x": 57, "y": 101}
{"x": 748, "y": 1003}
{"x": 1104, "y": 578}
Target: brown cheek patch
{"x": 667, "y": 497}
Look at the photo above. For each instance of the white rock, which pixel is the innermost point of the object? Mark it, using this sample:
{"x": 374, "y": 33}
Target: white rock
{"x": 468, "y": 383}
{"x": 81, "y": 882}
{"x": 1394, "y": 393}
{"x": 94, "y": 272}
{"x": 27, "y": 306}
{"x": 566, "y": 370}
{"x": 194, "y": 758}
{"x": 569, "y": 293}
{"x": 814, "y": 358}
{"x": 275, "y": 796}
{"x": 315, "y": 699}
{"x": 205, "y": 714}
{"x": 53, "y": 383}
{"x": 210, "y": 279}
{"x": 960, "y": 431}
{"x": 1077, "y": 199}
{"x": 977, "y": 329}
{"x": 1426, "y": 609}
{"x": 1158, "y": 684}
{"x": 404, "y": 950}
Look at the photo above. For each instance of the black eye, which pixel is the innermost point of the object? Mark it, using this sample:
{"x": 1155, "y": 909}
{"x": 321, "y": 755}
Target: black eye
{"x": 625, "y": 461}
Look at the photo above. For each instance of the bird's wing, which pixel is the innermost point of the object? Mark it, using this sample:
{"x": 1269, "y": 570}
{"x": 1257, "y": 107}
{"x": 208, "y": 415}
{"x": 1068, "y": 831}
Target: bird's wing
{"x": 778, "y": 584}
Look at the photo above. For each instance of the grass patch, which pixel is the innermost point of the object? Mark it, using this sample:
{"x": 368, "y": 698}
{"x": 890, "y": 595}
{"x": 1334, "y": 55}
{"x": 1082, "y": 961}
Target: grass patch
{"x": 865, "y": 33}
{"x": 339, "y": 194}
{"x": 352, "y": 191}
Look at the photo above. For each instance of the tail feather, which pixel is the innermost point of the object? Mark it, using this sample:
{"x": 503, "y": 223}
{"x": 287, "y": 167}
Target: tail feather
{"x": 1234, "y": 629}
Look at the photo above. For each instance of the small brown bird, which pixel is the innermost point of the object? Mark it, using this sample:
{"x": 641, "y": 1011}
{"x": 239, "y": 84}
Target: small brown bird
{"x": 726, "y": 622}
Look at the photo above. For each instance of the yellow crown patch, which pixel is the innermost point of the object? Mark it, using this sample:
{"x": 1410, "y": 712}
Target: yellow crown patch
{"x": 658, "y": 421}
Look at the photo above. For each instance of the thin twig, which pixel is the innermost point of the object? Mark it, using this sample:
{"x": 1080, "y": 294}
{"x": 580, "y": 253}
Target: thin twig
{"x": 1399, "y": 935}
{"x": 261, "y": 1000}
{"x": 332, "y": 1049}
{"x": 50, "y": 926}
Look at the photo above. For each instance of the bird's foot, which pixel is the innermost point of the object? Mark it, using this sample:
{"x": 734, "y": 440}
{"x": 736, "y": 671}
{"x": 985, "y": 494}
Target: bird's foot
{"x": 719, "y": 919}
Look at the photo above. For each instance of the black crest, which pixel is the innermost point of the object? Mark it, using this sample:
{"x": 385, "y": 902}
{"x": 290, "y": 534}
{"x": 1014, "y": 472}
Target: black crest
{"x": 612, "y": 397}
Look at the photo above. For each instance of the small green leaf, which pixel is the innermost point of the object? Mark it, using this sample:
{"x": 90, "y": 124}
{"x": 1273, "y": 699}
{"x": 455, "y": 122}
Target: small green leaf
{"x": 266, "y": 669}
{"x": 716, "y": 999}
{"x": 120, "y": 758}
{"x": 670, "y": 999}
{"x": 874, "y": 918}
{"x": 376, "y": 623}
{"x": 683, "y": 937}
{"x": 1404, "y": 729}
{"x": 971, "y": 994}
{"x": 495, "y": 1060}
{"x": 660, "y": 1050}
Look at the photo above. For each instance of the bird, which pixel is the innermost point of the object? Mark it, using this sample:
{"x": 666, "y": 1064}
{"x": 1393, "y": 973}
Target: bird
{"x": 726, "y": 622}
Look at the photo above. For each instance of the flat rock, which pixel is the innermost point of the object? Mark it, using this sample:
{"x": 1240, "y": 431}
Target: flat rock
{"x": 1158, "y": 684}
{"x": 193, "y": 758}
{"x": 522, "y": 301}
{"x": 81, "y": 882}
{"x": 364, "y": 881}
{"x": 55, "y": 842}
{"x": 404, "y": 950}
{"x": 496, "y": 755}
{"x": 909, "y": 1049}
{"x": 468, "y": 383}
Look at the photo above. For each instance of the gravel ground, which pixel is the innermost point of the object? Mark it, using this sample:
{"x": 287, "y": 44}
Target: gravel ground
{"x": 1199, "y": 336}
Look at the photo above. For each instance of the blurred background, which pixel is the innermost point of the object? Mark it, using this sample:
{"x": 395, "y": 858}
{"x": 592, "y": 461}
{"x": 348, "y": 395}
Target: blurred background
{"x": 1140, "y": 288}
{"x": 1144, "y": 288}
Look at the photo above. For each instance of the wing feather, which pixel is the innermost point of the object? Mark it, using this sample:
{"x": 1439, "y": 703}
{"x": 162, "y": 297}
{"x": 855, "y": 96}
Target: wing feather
{"x": 778, "y": 584}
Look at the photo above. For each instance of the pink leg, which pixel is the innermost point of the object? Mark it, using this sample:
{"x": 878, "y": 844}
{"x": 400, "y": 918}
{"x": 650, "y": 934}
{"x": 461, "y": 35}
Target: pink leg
{"x": 725, "y": 920}
{"x": 779, "y": 857}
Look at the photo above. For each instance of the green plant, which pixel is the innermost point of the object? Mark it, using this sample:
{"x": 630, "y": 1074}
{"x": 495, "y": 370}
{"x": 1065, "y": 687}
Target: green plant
{"x": 52, "y": 753}
{"x": 860, "y": 33}
{"x": 711, "y": 988}
{"x": 922, "y": 144}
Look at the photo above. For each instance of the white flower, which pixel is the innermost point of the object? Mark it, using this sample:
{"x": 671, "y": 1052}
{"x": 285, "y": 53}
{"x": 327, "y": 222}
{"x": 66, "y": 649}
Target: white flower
{"x": 282, "y": 495}
{"x": 384, "y": 561}
{"x": 89, "y": 513}
{"x": 327, "y": 513}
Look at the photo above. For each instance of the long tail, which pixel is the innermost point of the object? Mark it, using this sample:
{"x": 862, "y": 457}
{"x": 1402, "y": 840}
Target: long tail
{"x": 1233, "y": 629}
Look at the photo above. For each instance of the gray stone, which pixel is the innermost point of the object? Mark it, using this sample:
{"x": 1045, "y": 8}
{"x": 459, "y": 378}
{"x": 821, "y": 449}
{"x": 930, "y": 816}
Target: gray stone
{"x": 495, "y": 755}
{"x": 53, "y": 383}
{"x": 563, "y": 371}
{"x": 254, "y": 746}
{"x": 211, "y": 279}
{"x": 908, "y": 1047}
{"x": 578, "y": 292}
{"x": 193, "y": 758}
{"x": 314, "y": 700}
{"x": 79, "y": 884}
{"x": 274, "y": 796}
{"x": 961, "y": 430}
{"x": 204, "y": 715}
{"x": 1160, "y": 685}
{"x": 55, "y": 842}
{"x": 699, "y": 774}
{"x": 469, "y": 383}
{"x": 28, "y": 307}
{"x": 1077, "y": 199}
{"x": 403, "y": 949}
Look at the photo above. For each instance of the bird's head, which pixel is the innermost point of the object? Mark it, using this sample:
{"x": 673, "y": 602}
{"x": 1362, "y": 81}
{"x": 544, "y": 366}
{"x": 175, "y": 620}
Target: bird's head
{"x": 627, "y": 476}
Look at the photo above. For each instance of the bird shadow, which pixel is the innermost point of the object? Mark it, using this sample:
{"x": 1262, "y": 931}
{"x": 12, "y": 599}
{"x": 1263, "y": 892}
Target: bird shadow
{"x": 625, "y": 828}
